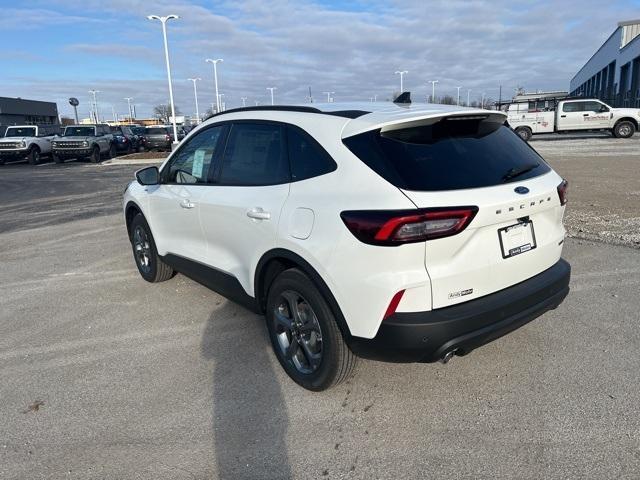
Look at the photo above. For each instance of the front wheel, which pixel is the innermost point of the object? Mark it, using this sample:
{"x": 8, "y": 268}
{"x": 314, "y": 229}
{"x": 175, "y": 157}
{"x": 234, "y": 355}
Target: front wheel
{"x": 34, "y": 156}
{"x": 304, "y": 333}
{"x": 149, "y": 263}
{"x": 95, "y": 155}
{"x": 624, "y": 129}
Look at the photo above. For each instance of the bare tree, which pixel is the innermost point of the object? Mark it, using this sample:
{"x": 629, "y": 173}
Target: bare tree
{"x": 447, "y": 100}
{"x": 163, "y": 111}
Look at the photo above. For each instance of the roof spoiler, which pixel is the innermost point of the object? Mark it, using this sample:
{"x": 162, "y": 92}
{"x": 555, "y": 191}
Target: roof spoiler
{"x": 403, "y": 98}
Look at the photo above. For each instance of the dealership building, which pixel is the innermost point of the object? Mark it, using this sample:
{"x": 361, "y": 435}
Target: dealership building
{"x": 612, "y": 74}
{"x": 18, "y": 111}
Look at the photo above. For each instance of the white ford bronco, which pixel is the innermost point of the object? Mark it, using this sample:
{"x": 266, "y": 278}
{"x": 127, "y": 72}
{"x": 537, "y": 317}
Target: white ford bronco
{"x": 27, "y": 141}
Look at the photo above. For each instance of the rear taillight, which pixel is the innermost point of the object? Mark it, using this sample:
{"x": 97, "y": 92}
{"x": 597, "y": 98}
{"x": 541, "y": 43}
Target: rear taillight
{"x": 396, "y": 227}
{"x": 562, "y": 192}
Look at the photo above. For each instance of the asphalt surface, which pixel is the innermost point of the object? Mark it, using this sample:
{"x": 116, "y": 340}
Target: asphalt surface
{"x": 105, "y": 376}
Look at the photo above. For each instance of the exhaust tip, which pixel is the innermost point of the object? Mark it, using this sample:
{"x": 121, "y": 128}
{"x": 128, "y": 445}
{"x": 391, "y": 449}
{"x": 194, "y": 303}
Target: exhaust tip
{"x": 447, "y": 356}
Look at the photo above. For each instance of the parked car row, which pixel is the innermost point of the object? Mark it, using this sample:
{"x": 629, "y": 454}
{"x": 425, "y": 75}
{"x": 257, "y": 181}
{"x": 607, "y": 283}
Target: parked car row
{"x": 88, "y": 141}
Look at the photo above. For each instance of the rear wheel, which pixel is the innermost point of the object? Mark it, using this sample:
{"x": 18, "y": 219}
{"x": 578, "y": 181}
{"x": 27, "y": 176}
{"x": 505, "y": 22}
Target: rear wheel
{"x": 95, "y": 155}
{"x": 34, "y": 156}
{"x": 524, "y": 133}
{"x": 113, "y": 151}
{"x": 149, "y": 263}
{"x": 304, "y": 333}
{"x": 624, "y": 129}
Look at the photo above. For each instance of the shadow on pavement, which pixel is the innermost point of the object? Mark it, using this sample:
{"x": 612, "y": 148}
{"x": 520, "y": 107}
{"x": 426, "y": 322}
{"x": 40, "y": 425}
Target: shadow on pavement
{"x": 249, "y": 413}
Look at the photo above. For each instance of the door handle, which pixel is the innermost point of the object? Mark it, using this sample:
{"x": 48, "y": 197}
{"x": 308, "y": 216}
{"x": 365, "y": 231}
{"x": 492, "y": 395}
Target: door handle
{"x": 563, "y": 116}
{"x": 258, "y": 214}
{"x": 585, "y": 114}
{"x": 186, "y": 203}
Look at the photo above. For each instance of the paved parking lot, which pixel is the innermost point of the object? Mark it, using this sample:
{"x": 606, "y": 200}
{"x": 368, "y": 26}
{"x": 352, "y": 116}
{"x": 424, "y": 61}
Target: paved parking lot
{"x": 106, "y": 376}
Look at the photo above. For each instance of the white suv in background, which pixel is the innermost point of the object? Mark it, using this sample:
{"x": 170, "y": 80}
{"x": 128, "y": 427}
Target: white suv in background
{"x": 389, "y": 231}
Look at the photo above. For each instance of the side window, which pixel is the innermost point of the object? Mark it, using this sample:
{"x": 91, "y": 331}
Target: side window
{"x": 593, "y": 106}
{"x": 573, "y": 107}
{"x": 307, "y": 158}
{"x": 192, "y": 162}
{"x": 255, "y": 155}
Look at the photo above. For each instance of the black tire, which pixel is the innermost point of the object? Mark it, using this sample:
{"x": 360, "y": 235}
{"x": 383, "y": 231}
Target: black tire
{"x": 524, "y": 133}
{"x": 34, "y": 155}
{"x": 57, "y": 158}
{"x": 113, "y": 151}
{"x": 151, "y": 268}
{"x": 333, "y": 361}
{"x": 1, "y": 161}
{"x": 624, "y": 129}
{"x": 95, "y": 155}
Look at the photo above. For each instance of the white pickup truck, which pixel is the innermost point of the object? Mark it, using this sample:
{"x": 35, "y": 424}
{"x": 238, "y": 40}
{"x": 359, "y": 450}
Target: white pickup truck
{"x": 27, "y": 141}
{"x": 531, "y": 118}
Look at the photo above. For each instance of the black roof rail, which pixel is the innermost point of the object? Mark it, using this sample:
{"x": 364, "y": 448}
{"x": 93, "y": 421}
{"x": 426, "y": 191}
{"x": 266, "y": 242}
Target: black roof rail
{"x": 272, "y": 108}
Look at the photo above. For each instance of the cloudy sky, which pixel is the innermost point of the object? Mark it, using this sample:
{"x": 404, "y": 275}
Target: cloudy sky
{"x": 56, "y": 49}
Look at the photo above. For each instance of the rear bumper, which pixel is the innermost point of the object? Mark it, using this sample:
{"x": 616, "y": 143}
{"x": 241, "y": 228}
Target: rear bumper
{"x": 428, "y": 336}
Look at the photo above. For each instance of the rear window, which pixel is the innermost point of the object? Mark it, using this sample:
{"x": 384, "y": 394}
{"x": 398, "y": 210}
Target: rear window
{"x": 451, "y": 154}
{"x": 157, "y": 131}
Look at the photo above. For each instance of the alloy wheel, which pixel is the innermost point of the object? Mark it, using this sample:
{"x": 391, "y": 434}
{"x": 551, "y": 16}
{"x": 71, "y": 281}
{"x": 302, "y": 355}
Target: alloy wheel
{"x": 298, "y": 332}
{"x": 142, "y": 249}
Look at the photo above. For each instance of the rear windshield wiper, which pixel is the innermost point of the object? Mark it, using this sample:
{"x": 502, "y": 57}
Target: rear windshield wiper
{"x": 516, "y": 172}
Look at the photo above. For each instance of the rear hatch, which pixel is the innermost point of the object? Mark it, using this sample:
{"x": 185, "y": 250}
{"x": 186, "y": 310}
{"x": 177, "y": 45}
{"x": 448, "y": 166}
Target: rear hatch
{"x": 473, "y": 161}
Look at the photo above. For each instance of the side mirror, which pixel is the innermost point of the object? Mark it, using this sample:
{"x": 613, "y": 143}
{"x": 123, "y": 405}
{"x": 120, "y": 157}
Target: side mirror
{"x": 148, "y": 176}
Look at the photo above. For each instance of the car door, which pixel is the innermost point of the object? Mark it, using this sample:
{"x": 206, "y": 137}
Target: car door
{"x": 175, "y": 206}
{"x": 596, "y": 114}
{"x": 241, "y": 211}
{"x": 572, "y": 116}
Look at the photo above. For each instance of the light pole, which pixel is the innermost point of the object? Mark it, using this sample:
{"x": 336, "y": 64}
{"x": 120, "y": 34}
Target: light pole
{"x": 433, "y": 90}
{"x": 482, "y": 104}
{"x": 164, "y": 21}
{"x": 215, "y": 78}
{"x": 401, "y": 73}
{"x": 128, "y": 99}
{"x": 195, "y": 94}
{"x": 375, "y": 98}
{"x": 244, "y": 101}
{"x": 272, "y": 89}
{"x": 468, "y": 98}
{"x": 329, "y": 96}
{"x": 96, "y": 117}
{"x": 458, "y": 95}
{"x": 222, "y": 107}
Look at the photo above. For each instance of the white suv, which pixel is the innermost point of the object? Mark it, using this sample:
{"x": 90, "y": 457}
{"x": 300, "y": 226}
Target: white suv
{"x": 389, "y": 231}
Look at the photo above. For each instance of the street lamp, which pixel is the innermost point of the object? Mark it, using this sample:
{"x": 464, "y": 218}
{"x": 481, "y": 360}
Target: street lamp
{"x": 401, "y": 73}
{"x": 482, "y": 104}
{"x": 272, "y": 89}
{"x": 128, "y": 99}
{"x": 195, "y": 94}
{"x": 329, "y": 96}
{"x": 468, "y": 98}
{"x": 164, "y": 21}
{"x": 244, "y": 101}
{"x": 222, "y": 107}
{"x": 215, "y": 78}
{"x": 96, "y": 117}
{"x": 433, "y": 90}
{"x": 458, "y": 95}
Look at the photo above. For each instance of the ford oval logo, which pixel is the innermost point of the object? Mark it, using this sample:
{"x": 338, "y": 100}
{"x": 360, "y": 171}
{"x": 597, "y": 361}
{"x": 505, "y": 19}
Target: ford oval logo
{"x": 521, "y": 190}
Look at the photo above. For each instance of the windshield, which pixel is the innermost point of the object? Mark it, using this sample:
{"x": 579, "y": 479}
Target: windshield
{"x": 138, "y": 130}
{"x": 157, "y": 131}
{"x": 79, "y": 132}
{"x": 116, "y": 131}
{"x": 20, "y": 132}
{"x": 448, "y": 155}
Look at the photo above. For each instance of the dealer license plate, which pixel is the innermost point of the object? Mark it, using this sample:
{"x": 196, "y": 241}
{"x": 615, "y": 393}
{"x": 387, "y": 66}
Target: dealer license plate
{"x": 516, "y": 239}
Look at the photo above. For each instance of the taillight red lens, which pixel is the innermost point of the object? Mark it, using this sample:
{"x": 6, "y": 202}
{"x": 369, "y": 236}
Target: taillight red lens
{"x": 396, "y": 227}
{"x": 562, "y": 192}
